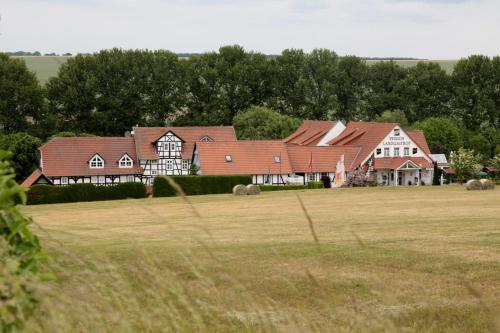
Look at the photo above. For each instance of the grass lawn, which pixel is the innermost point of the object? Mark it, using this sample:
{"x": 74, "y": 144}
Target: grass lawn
{"x": 423, "y": 259}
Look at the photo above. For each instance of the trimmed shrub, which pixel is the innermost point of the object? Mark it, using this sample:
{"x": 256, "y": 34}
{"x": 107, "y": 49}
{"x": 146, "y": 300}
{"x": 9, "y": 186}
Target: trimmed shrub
{"x": 487, "y": 184}
{"x": 253, "y": 189}
{"x": 198, "y": 185}
{"x": 48, "y": 194}
{"x": 315, "y": 185}
{"x": 473, "y": 185}
{"x": 327, "y": 181}
{"x": 240, "y": 190}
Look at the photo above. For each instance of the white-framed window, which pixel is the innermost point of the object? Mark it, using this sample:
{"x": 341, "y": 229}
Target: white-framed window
{"x": 396, "y": 151}
{"x": 386, "y": 152}
{"x": 172, "y": 145}
{"x": 406, "y": 151}
{"x": 277, "y": 159}
{"x": 96, "y": 162}
{"x": 170, "y": 165}
{"x": 154, "y": 172}
{"x": 93, "y": 179}
{"x": 415, "y": 150}
{"x": 379, "y": 151}
{"x": 160, "y": 146}
{"x": 206, "y": 138}
{"x": 125, "y": 162}
{"x": 130, "y": 179}
{"x": 267, "y": 179}
{"x": 64, "y": 180}
{"x": 396, "y": 132}
{"x": 185, "y": 164}
{"x": 229, "y": 158}
{"x": 154, "y": 162}
{"x": 312, "y": 177}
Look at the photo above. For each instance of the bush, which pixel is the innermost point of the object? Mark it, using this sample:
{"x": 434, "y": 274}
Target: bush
{"x": 198, "y": 185}
{"x": 47, "y": 194}
{"x": 315, "y": 185}
{"x": 372, "y": 183}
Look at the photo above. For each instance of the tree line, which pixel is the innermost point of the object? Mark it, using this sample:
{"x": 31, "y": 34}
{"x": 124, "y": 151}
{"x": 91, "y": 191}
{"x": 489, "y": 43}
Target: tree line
{"x": 108, "y": 92}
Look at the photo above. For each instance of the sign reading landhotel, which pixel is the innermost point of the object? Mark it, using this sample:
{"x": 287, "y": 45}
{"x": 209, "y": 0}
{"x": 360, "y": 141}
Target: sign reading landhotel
{"x": 397, "y": 141}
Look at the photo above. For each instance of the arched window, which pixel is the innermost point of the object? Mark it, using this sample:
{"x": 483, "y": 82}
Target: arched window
{"x": 125, "y": 162}
{"x": 96, "y": 162}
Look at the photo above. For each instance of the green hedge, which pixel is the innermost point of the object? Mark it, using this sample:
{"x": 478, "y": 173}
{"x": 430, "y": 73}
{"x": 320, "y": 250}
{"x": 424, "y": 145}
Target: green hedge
{"x": 311, "y": 185}
{"x": 47, "y": 194}
{"x": 196, "y": 185}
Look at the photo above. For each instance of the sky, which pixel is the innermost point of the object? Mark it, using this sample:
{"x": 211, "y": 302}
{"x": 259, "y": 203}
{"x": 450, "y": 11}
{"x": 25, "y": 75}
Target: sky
{"x": 430, "y": 29}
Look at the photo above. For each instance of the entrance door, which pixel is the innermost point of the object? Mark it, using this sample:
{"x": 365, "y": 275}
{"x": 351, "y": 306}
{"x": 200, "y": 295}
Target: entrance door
{"x": 400, "y": 178}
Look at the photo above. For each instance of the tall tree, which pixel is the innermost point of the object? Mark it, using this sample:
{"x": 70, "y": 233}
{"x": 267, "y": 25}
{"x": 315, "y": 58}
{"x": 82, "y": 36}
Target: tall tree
{"x": 21, "y": 97}
{"x": 351, "y": 88}
{"x": 425, "y": 91}
{"x": 24, "y": 149}
{"x": 383, "y": 79}
{"x": 223, "y": 84}
{"x": 476, "y": 92}
{"x": 108, "y": 92}
{"x": 465, "y": 163}
{"x": 397, "y": 116}
{"x": 258, "y": 123}
{"x": 442, "y": 134}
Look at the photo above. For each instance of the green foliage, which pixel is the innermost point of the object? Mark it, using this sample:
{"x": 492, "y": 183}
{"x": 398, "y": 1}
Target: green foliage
{"x": 442, "y": 134}
{"x": 24, "y": 149}
{"x": 465, "y": 163}
{"x": 19, "y": 254}
{"x": 315, "y": 185}
{"x": 68, "y": 134}
{"x": 476, "y": 98}
{"x": 396, "y": 116}
{"x": 109, "y": 92}
{"x": 21, "y": 97}
{"x": 48, "y": 194}
{"x": 258, "y": 123}
{"x": 268, "y": 188}
{"x": 197, "y": 185}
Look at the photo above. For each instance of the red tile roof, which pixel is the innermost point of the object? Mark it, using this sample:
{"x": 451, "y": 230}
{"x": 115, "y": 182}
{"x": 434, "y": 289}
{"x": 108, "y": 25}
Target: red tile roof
{"x": 69, "y": 156}
{"x": 368, "y": 135}
{"x": 146, "y": 136}
{"x": 310, "y": 132}
{"x": 324, "y": 159}
{"x": 396, "y": 162}
{"x": 37, "y": 174}
{"x": 248, "y": 158}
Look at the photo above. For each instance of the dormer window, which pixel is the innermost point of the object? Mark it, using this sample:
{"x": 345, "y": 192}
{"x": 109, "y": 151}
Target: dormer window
{"x": 229, "y": 158}
{"x": 96, "y": 162}
{"x": 277, "y": 159}
{"x": 125, "y": 162}
{"x": 206, "y": 138}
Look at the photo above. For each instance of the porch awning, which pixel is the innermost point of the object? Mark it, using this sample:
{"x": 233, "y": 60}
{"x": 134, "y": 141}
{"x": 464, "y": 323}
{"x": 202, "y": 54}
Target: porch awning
{"x": 394, "y": 163}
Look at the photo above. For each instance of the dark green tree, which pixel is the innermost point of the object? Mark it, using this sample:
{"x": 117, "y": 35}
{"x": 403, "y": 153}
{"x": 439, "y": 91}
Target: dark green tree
{"x": 259, "y": 123}
{"x": 475, "y": 84}
{"x": 223, "y": 84}
{"x": 24, "y": 149}
{"x": 21, "y": 97}
{"x": 383, "y": 78}
{"x": 351, "y": 88}
{"x": 442, "y": 134}
{"x": 108, "y": 92}
{"x": 425, "y": 92}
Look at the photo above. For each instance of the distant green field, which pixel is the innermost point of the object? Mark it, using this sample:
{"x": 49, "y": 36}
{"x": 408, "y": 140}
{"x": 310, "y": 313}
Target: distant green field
{"x": 47, "y": 67}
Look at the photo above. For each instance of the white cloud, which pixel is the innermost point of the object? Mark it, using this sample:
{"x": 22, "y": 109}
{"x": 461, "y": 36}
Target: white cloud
{"x": 420, "y": 28}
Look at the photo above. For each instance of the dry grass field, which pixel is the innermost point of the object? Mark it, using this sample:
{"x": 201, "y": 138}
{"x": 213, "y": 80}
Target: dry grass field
{"x": 402, "y": 259}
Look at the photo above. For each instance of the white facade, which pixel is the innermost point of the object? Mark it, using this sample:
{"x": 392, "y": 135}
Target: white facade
{"x": 170, "y": 162}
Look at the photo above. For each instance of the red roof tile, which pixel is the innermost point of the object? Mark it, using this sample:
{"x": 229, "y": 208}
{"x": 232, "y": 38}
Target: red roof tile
{"x": 396, "y": 162}
{"x": 324, "y": 159}
{"x": 146, "y": 136}
{"x": 33, "y": 178}
{"x": 248, "y": 157}
{"x": 419, "y": 138}
{"x": 69, "y": 156}
{"x": 310, "y": 132}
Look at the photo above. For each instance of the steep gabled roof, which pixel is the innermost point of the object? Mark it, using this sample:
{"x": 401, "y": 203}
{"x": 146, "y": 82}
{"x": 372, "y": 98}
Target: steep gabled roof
{"x": 34, "y": 178}
{"x": 310, "y": 132}
{"x": 146, "y": 136}
{"x": 419, "y": 138}
{"x": 324, "y": 159}
{"x": 248, "y": 158}
{"x": 69, "y": 156}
